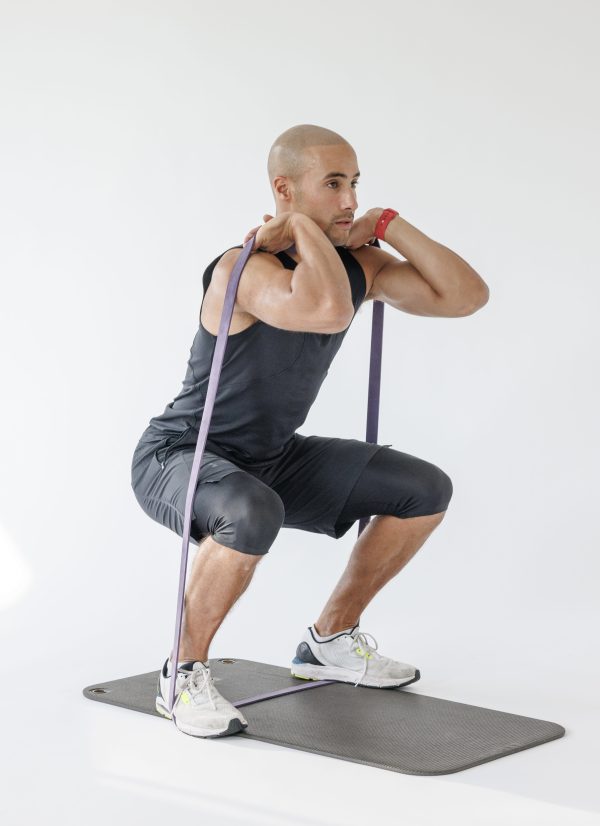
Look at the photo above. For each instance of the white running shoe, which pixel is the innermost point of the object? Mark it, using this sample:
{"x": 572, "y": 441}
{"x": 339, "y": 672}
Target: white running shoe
{"x": 199, "y": 709}
{"x": 347, "y": 657}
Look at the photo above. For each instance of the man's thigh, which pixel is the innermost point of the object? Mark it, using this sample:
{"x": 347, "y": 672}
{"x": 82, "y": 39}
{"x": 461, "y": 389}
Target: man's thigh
{"x": 161, "y": 488}
{"x": 397, "y": 484}
{"x": 316, "y": 477}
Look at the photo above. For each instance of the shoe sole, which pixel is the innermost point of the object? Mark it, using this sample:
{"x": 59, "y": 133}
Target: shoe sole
{"x": 322, "y": 672}
{"x": 234, "y": 726}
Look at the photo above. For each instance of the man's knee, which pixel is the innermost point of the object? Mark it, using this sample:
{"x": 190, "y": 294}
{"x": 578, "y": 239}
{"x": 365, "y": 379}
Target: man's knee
{"x": 435, "y": 490}
{"x": 427, "y": 490}
{"x": 250, "y": 516}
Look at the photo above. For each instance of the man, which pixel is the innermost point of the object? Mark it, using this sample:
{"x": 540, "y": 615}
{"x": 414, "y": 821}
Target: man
{"x": 310, "y": 271}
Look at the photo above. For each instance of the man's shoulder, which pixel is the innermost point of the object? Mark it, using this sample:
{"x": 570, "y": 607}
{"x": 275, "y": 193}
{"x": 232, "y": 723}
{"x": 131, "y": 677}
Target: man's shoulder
{"x": 227, "y": 260}
{"x": 258, "y": 264}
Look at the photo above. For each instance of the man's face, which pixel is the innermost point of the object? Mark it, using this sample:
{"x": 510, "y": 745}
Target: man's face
{"x": 327, "y": 192}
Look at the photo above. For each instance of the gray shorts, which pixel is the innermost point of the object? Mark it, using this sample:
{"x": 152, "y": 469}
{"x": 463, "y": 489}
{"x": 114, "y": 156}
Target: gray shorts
{"x": 243, "y": 506}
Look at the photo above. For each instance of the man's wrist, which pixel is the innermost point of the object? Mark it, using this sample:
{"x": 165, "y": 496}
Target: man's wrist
{"x": 375, "y": 214}
{"x": 301, "y": 218}
{"x": 385, "y": 219}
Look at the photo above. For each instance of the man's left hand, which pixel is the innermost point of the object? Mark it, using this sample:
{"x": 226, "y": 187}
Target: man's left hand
{"x": 363, "y": 229}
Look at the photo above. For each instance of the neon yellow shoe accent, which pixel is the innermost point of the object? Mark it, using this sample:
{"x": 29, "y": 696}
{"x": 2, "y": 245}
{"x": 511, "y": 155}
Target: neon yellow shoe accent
{"x": 185, "y": 697}
{"x": 300, "y": 676}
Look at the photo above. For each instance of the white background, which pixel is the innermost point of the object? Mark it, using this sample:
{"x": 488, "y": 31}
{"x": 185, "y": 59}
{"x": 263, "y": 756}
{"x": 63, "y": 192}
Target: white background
{"x": 134, "y": 146}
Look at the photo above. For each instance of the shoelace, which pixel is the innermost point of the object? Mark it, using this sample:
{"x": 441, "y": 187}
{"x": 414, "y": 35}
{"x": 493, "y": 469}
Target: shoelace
{"x": 363, "y": 649}
{"x": 198, "y": 680}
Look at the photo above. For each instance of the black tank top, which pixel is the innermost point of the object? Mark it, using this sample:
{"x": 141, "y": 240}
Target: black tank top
{"x": 269, "y": 380}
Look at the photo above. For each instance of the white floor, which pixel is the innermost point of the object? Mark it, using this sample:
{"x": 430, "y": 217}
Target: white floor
{"x": 68, "y": 760}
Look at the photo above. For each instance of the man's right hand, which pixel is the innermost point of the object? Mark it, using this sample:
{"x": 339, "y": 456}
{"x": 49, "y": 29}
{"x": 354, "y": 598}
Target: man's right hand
{"x": 275, "y": 235}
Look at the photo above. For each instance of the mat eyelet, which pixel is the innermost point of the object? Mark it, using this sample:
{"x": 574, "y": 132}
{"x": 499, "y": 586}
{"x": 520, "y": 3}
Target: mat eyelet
{"x": 227, "y": 661}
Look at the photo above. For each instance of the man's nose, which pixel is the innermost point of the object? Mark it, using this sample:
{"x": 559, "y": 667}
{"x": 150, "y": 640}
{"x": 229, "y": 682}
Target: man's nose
{"x": 349, "y": 201}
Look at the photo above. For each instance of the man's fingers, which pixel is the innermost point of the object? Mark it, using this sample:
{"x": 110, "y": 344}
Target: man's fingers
{"x": 252, "y": 232}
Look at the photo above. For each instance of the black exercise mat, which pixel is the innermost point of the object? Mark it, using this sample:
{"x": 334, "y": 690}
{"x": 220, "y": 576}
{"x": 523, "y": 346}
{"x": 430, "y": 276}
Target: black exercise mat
{"x": 395, "y": 729}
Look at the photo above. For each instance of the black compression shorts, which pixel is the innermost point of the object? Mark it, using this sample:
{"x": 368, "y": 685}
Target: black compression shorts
{"x": 321, "y": 484}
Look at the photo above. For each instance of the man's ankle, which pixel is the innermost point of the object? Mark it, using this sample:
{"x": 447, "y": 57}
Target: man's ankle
{"x": 332, "y": 629}
{"x": 187, "y": 658}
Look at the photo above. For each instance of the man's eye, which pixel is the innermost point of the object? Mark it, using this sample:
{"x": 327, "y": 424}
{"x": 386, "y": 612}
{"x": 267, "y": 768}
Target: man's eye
{"x": 354, "y": 183}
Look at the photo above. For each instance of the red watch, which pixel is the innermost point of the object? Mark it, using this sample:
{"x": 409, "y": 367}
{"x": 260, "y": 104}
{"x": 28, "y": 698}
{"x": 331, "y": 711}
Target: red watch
{"x": 384, "y": 219}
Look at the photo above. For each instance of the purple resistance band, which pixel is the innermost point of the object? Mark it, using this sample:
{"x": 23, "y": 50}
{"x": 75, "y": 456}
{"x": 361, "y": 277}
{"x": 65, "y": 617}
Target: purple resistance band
{"x": 211, "y": 393}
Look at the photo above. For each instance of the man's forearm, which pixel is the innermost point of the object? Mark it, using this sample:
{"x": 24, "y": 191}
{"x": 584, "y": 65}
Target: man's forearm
{"x": 445, "y": 271}
{"x": 320, "y": 275}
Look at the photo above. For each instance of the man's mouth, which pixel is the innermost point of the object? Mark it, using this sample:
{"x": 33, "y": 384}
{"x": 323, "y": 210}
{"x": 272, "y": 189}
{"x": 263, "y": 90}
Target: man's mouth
{"x": 344, "y": 224}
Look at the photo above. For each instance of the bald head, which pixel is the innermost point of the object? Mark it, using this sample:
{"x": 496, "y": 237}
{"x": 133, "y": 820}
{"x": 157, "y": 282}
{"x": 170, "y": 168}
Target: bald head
{"x": 289, "y": 156}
